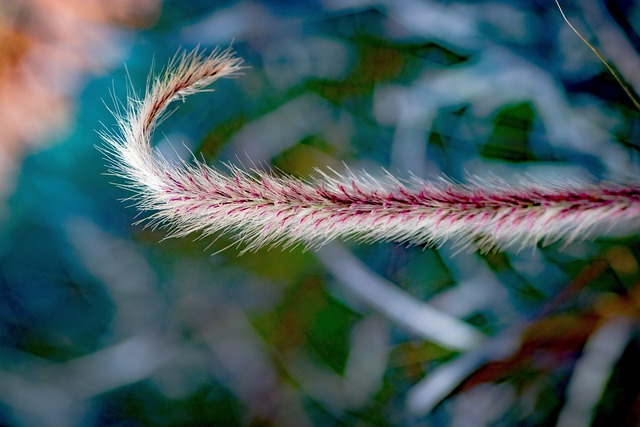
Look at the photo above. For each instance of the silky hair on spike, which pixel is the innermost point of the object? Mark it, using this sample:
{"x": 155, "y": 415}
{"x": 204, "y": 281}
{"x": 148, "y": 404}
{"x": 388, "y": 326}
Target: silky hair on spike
{"x": 260, "y": 209}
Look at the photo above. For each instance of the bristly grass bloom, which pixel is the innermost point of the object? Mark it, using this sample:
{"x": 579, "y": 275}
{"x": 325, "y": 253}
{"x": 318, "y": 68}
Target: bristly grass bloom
{"x": 261, "y": 209}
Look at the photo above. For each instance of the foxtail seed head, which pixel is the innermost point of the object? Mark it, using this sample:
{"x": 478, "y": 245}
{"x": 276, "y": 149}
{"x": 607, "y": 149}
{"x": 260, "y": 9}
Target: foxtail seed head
{"x": 259, "y": 209}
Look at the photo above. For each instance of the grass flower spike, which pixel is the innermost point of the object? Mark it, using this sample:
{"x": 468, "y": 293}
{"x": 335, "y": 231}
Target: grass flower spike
{"x": 259, "y": 208}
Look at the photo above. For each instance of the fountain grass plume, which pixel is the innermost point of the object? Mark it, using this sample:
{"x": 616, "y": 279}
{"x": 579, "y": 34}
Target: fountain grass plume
{"x": 260, "y": 209}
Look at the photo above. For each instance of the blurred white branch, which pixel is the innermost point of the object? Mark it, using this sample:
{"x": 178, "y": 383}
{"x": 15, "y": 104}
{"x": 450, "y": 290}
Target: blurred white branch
{"x": 399, "y": 306}
{"x": 57, "y": 394}
{"x": 498, "y": 77}
{"x": 124, "y": 271}
{"x": 425, "y": 395}
{"x": 593, "y": 370}
{"x": 363, "y": 373}
{"x": 241, "y": 361}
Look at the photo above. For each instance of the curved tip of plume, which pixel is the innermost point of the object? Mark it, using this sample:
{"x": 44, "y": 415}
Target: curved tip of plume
{"x": 259, "y": 209}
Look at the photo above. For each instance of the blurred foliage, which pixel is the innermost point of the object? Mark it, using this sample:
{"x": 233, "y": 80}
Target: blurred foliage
{"x": 106, "y": 323}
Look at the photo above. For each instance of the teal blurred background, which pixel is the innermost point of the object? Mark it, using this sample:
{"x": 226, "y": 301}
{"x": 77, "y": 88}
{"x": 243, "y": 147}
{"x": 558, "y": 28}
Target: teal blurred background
{"x": 104, "y": 323}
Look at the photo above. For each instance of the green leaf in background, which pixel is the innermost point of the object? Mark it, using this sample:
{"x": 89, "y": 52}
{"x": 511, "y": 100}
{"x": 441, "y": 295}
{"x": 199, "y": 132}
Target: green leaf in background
{"x": 509, "y": 139}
